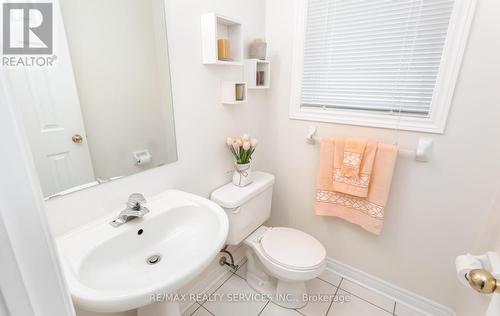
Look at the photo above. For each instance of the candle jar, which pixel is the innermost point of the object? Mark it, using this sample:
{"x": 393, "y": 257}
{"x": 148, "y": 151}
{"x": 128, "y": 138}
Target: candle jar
{"x": 223, "y": 49}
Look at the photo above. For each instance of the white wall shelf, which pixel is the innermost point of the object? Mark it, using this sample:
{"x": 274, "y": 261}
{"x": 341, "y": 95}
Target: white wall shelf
{"x": 229, "y": 92}
{"x": 214, "y": 27}
{"x": 252, "y": 67}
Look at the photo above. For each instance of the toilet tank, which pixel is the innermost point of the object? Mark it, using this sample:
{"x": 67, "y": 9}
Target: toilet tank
{"x": 248, "y": 207}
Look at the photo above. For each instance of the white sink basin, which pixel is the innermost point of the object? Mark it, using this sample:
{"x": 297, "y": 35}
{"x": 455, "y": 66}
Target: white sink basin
{"x": 106, "y": 267}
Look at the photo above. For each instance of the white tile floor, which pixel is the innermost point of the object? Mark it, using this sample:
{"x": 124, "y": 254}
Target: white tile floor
{"x": 339, "y": 297}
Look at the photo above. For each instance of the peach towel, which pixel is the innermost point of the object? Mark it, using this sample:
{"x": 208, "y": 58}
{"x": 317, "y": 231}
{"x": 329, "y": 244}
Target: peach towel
{"x": 366, "y": 212}
{"x": 357, "y": 185}
{"x": 352, "y": 155}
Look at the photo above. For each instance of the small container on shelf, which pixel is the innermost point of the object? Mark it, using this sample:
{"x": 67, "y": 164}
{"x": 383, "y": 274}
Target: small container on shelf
{"x": 257, "y": 49}
{"x": 234, "y": 92}
{"x": 223, "y": 49}
{"x": 222, "y": 40}
{"x": 257, "y": 73}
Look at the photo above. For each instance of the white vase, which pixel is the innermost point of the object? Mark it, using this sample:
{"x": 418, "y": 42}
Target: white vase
{"x": 242, "y": 175}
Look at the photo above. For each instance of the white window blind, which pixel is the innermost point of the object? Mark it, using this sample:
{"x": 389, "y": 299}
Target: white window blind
{"x": 374, "y": 55}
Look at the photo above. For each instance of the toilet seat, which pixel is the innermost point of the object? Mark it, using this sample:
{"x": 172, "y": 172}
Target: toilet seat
{"x": 287, "y": 253}
{"x": 292, "y": 248}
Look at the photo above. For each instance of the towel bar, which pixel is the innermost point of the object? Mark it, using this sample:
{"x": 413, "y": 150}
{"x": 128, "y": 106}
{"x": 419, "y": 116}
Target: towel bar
{"x": 422, "y": 153}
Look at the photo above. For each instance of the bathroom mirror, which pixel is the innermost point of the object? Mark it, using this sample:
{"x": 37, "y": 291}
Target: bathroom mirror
{"x": 105, "y": 111}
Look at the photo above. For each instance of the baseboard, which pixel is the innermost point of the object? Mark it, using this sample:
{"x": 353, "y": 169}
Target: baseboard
{"x": 385, "y": 288}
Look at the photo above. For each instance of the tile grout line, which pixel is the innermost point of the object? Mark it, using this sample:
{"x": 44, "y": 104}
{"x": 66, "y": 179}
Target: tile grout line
{"x": 340, "y": 284}
{"x": 385, "y": 310}
{"x": 263, "y": 308}
{"x": 337, "y": 285}
{"x": 239, "y": 276}
{"x": 201, "y": 307}
{"x": 197, "y": 308}
{"x": 333, "y": 299}
{"x": 207, "y": 310}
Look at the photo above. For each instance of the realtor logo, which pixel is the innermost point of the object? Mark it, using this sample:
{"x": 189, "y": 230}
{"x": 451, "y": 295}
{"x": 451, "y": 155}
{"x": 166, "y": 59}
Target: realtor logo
{"x": 27, "y": 28}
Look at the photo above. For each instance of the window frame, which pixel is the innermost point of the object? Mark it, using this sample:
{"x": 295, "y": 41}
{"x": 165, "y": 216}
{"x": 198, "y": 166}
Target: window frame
{"x": 453, "y": 52}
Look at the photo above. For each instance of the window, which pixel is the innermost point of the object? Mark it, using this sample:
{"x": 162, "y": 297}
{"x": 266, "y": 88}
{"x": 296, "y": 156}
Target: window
{"x": 382, "y": 63}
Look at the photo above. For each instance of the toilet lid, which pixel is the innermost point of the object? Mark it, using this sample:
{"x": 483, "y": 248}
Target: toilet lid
{"x": 293, "y": 248}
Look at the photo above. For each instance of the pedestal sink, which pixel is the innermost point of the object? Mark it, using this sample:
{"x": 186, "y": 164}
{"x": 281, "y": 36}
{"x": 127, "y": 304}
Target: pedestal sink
{"x": 113, "y": 269}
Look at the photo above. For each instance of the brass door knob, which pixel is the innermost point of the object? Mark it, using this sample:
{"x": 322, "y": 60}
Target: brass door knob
{"x": 483, "y": 281}
{"x": 77, "y": 138}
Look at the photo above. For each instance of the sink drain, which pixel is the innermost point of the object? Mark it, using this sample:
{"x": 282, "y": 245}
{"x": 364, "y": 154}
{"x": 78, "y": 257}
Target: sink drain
{"x": 154, "y": 259}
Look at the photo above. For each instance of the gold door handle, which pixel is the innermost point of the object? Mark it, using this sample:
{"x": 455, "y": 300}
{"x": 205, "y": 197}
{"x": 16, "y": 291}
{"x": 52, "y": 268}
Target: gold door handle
{"x": 483, "y": 281}
{"x": 77, "y": 138}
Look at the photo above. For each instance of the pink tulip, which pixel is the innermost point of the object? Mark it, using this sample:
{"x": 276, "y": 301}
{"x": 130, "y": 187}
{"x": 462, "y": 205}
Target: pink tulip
{"x": 254, "y": 142}
{"x": 246, "y": 145}
{"x": 236, "y": 146}
{"x": 245, "y": 137}
{"x": 239, "y": 142}
{"x": 229, "y": 141}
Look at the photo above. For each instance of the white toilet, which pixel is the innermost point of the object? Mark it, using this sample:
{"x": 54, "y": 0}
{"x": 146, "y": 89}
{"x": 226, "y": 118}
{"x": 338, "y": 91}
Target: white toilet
{"x": 280, "y": 259}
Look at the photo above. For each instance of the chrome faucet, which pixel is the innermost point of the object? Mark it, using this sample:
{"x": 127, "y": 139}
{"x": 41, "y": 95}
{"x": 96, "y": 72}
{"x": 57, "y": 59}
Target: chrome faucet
{"x": 133, "y": 210}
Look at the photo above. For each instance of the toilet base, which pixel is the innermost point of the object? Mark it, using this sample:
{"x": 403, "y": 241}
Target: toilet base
{"x": 288, "y": 294}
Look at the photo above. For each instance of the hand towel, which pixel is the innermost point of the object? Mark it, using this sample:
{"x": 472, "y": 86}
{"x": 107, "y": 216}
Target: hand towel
{"x": 366, "y": 212}
{"x": 352, "y": 156}
{"x": 358, "y": 185}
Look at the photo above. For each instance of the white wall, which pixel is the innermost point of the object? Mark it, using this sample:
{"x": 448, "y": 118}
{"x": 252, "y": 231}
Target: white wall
{"x": 123, "y": 96}
{"x": 432, "y": 207}
{"x": 202, "y": 122}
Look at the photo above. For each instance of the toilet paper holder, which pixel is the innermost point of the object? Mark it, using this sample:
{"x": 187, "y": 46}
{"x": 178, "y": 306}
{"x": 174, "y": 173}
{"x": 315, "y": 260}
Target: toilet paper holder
{"x": 142, "y": 157}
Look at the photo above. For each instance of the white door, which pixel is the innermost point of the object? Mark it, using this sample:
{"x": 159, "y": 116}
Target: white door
{"x": 53, "y": 118}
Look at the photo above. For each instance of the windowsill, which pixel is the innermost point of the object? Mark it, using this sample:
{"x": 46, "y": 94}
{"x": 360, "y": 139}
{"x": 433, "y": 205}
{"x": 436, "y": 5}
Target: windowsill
{"x": 417, "y": 124}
